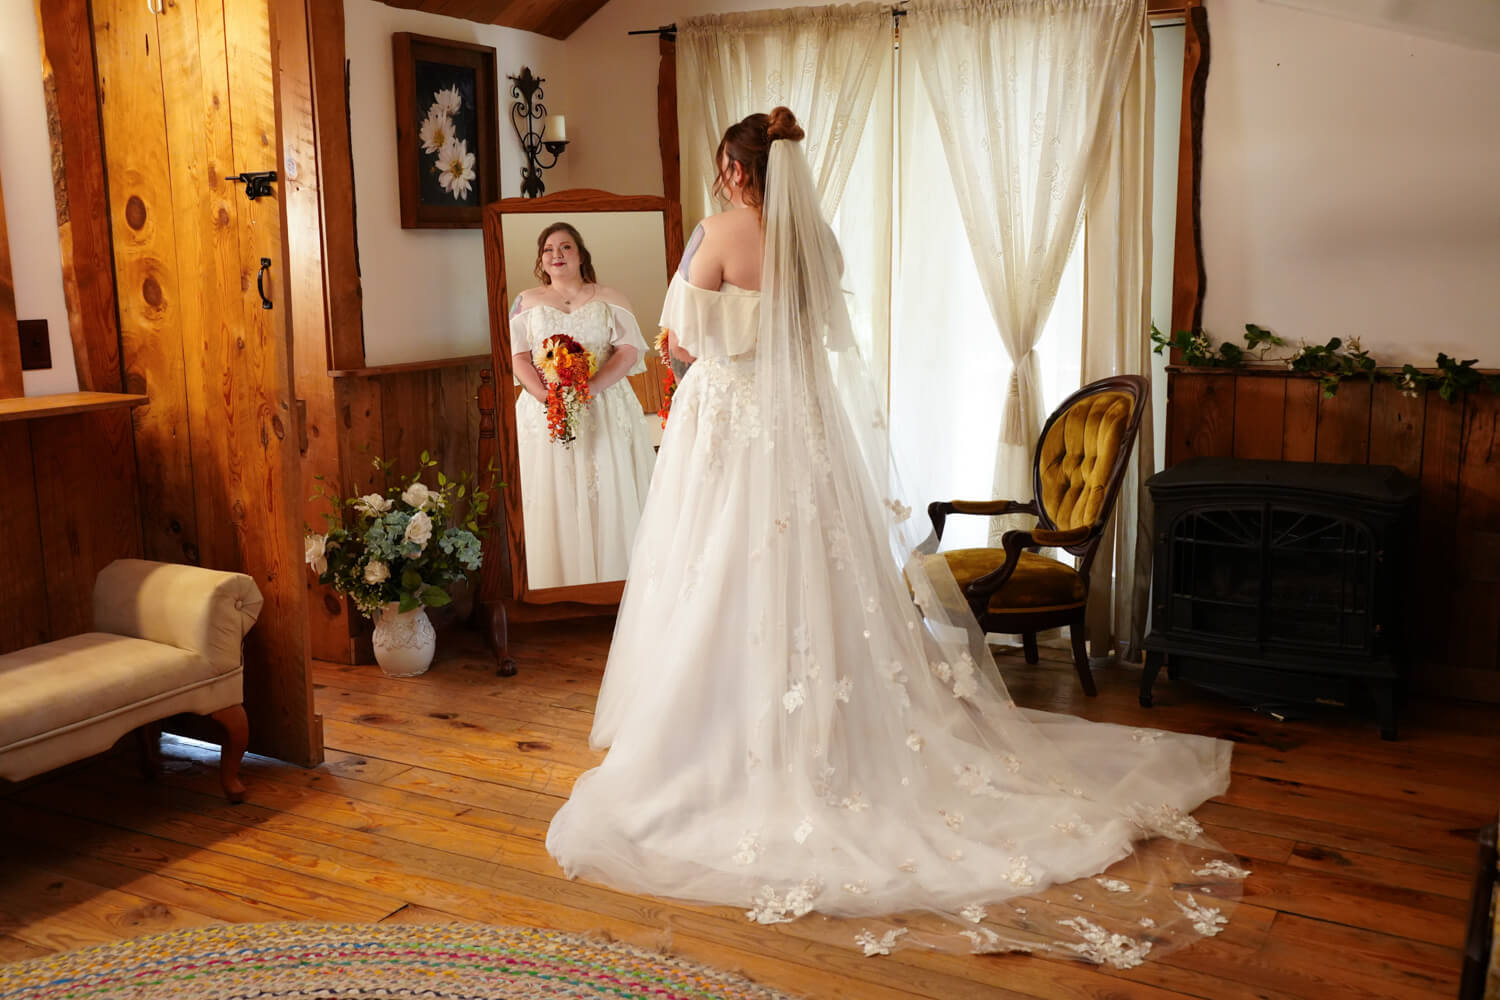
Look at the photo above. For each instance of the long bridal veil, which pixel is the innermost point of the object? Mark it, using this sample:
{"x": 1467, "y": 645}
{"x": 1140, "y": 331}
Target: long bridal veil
{"x": 902, "y": 785}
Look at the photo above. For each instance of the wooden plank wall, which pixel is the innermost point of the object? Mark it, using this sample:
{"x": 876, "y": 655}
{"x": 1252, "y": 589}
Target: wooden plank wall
{"x": 1451, "y": 449}
{"x": 188, "y": 98}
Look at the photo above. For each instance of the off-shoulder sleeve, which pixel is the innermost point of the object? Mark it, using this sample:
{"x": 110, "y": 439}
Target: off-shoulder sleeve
{"x": 625, "y": 331}
{"x": 709, "y": 324}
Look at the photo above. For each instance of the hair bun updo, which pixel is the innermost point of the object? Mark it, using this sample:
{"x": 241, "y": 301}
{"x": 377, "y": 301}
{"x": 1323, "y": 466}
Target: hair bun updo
{"x": 783, "y": 125}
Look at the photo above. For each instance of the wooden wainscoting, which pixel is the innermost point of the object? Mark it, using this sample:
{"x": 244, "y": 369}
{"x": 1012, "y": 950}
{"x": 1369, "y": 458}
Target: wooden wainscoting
{"x": 394, "y": 412}
{"x": 1451, "y": 448}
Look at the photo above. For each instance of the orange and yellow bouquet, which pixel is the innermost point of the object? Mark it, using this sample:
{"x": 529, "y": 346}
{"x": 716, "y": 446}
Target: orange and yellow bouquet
{"x": 668, "y": 377}
{"x": 566, "y": 368}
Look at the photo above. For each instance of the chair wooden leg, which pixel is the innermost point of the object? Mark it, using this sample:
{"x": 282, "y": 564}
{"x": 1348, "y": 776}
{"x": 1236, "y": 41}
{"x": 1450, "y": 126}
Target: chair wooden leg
{"x": 236, "y": 738}
{"x": 1028, "y": 644}
{"x": 1081, "y": 658}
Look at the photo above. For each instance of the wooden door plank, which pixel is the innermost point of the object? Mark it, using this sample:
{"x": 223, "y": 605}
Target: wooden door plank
{"x": 265, "y": 481}
{"x": 1259, "y": 411}
{"x": 325, "y": 24}
{"x": 328, "y": 611}
{"x": 151, "y": 298}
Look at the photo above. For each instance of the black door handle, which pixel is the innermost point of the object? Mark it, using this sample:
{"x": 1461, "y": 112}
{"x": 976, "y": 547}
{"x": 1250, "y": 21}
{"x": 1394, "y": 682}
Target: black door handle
{"x": 260, "y": 282}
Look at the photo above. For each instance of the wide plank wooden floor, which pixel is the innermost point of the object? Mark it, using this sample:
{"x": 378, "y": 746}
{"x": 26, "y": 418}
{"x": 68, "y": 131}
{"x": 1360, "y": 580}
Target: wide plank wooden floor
{"x": 434, "y": 802}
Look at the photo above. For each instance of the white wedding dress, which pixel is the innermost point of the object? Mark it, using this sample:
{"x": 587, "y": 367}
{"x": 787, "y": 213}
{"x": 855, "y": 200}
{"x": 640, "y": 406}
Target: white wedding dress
{"x": 789, "y": 733}
{"x": 581, "y": 501}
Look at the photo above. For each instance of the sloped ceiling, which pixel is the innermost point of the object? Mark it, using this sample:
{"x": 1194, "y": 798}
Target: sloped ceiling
{"x": 554, "y": 18}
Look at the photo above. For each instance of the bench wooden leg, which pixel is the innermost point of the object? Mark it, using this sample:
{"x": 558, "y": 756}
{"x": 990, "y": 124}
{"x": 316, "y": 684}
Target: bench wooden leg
{"x": 236, "y": 738}
{"x": 148, "y": 742}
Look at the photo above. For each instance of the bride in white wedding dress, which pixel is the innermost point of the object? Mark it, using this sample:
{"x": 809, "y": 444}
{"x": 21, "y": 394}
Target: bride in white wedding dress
{"x": 788, "y": 732}
{"x": 582, "y": 500}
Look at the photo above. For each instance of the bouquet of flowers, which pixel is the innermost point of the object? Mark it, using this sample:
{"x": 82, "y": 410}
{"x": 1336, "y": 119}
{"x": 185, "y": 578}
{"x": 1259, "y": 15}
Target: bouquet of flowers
{"x": 566, "y": 368}
{"x": 668, "y": 376}
{"x": 403, "y": 546}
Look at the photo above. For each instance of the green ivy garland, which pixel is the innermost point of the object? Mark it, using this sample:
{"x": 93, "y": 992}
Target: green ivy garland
{"x": 1330, "y": 363}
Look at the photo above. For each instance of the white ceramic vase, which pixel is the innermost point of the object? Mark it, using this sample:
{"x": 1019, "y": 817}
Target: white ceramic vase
{"x": 404, "y": 641}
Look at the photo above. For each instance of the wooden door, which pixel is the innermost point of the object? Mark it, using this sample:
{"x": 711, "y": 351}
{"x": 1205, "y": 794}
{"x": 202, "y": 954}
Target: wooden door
{"x": 188, "y": 101}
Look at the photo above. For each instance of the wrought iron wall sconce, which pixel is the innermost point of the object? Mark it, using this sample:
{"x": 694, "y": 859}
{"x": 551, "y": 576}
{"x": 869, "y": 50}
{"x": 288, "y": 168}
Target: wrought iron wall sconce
{"x": 527, "y": 111}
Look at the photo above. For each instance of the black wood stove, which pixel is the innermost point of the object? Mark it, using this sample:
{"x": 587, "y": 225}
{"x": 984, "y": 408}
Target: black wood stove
{"x": 1278, "y": 582}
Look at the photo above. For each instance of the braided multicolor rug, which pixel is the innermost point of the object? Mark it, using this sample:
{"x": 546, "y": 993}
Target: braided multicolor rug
{"x": 348, "y": 961}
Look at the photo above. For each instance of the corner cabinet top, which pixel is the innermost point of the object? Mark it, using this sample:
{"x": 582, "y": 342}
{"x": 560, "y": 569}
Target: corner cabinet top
{"x": 64, "y": 403}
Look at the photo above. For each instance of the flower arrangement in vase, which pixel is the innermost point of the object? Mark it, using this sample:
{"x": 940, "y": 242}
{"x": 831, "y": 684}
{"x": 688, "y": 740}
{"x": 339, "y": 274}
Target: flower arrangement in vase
{"x": 394, "y": 554}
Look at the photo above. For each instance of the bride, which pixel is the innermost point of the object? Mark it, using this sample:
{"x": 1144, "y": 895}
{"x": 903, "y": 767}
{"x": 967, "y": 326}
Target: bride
{"x": 788, "y": 731}
{"x": 581, "y": 501}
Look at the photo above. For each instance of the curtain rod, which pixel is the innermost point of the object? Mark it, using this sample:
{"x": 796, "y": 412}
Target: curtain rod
{"x": 669, "y": 31}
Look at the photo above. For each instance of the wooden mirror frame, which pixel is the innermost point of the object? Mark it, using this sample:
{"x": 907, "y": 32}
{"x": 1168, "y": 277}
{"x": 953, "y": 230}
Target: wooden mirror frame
{"x": 506, "y": 586}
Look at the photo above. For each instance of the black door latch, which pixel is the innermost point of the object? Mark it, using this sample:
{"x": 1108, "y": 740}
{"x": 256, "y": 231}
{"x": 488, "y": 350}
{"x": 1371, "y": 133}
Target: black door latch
{"x": 257, "y": 182}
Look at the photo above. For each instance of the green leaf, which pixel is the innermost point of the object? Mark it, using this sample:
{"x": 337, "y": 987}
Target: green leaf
{"x": 408, "y": 601}
{"x": 436, "y": 597}
{"x": 411, "y": 580}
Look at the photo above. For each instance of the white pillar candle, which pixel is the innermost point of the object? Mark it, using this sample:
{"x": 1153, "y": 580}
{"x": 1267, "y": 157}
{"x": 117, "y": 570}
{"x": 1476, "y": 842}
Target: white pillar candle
{"x": 555, "y": 128}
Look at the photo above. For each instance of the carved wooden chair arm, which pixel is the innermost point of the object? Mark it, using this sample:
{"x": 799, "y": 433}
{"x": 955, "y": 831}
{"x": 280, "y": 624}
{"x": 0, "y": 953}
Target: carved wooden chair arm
{"x": 1060, "y": 537}
{"x": 939, "y": 510}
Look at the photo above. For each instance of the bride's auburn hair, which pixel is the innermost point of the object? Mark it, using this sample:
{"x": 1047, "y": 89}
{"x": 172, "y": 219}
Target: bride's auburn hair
{"x": 585, "y": 259}
{"x": 748, "y": 143}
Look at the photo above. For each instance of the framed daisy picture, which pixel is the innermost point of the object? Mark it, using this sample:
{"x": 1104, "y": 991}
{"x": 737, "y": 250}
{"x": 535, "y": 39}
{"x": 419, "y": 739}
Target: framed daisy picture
{"x": 447, "y": 152}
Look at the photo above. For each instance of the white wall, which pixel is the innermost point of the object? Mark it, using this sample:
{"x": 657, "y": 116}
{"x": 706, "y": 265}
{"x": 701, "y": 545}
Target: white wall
{"x": 30, "y": 208}
{"x": 1351, "y": 182}
{"x": 424, "y": 289}
{"x": 614, "y": 76}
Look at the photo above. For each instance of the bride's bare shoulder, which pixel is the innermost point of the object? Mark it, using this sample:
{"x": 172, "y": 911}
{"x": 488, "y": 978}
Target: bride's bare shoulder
{"x": 613, "y": 296}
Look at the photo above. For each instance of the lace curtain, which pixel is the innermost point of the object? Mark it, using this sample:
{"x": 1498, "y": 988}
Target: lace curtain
{"x": 822, "y": 62}
{"x": 1025, "y": 96}
{"x": 1116, "y": 322}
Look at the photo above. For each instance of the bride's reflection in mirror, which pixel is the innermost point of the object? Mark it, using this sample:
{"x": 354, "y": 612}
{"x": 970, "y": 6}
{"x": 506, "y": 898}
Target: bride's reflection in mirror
{"x": 585, "y": 452}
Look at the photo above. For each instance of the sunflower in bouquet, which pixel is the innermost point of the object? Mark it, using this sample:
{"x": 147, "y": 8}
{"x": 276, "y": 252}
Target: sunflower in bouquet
{"x": 566, "y": 367}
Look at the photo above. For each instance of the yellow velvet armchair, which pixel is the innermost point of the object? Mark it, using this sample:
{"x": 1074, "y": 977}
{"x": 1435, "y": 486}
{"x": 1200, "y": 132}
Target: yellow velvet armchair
{"x": 1079, "y": 463}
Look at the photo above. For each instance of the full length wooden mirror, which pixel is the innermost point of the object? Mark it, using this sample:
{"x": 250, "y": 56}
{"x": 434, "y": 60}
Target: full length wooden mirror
{"x": 566, "y": 520}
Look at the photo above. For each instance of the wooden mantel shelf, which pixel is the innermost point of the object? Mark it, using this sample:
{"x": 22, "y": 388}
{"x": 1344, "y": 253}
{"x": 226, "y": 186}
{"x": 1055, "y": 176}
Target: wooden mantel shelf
{"x": 37, "y": 407}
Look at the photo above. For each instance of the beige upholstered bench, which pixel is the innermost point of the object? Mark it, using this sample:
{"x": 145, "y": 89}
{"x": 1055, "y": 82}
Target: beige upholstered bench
{"x": 168, "y": 640}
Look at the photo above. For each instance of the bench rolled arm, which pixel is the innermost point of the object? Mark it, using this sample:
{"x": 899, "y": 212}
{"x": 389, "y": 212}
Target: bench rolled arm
{"x": 205, "y": 611}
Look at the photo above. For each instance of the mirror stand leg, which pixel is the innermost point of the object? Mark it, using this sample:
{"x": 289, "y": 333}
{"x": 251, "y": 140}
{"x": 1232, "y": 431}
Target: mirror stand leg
{"x": 492, "y": 617}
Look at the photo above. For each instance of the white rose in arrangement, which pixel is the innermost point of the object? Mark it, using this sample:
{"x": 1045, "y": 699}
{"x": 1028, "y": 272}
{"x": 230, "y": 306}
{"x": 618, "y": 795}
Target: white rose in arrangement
{"x": 419, "y": 530}
{"x": 377, "y": 571}
{"x": 314, "y": 551}
{"x": 421, "y": 497}
{"x": 372, "y": 504}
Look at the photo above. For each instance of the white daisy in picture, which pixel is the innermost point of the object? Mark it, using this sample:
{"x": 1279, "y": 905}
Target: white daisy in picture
{"x": 455, "y": 165}
{"x": 448, "y": 100}
{"x": 436, "y": 131}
